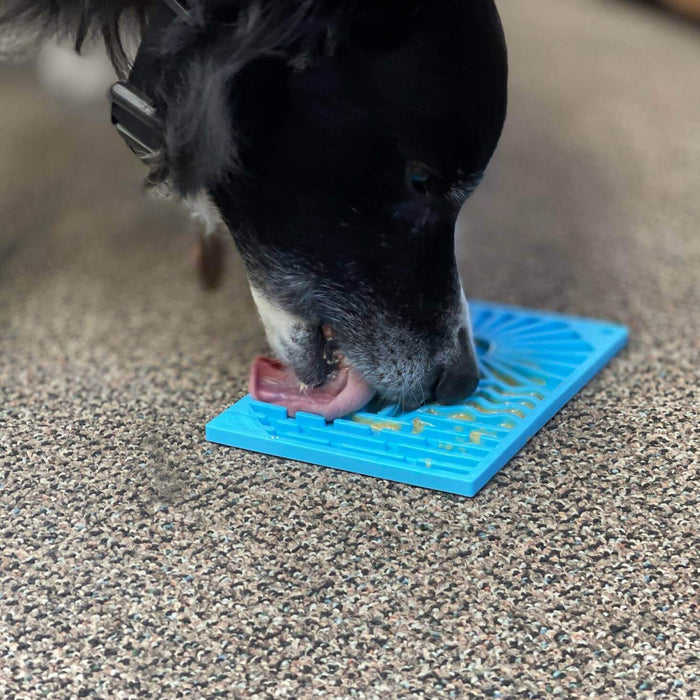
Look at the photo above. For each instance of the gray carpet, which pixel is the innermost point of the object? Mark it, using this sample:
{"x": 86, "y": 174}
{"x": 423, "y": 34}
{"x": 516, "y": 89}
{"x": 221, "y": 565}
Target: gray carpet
{"x": 139, "y": 561}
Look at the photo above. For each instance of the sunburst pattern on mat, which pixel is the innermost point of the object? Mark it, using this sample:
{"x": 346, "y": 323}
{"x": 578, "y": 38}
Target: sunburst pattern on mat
{"x": 522, "y": 359}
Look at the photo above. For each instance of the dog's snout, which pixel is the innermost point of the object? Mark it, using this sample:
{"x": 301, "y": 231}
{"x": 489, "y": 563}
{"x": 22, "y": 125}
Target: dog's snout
{"x": 459, "y": 379}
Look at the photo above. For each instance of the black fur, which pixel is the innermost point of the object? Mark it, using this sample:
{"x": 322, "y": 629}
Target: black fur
{"x": 298, "y": 118}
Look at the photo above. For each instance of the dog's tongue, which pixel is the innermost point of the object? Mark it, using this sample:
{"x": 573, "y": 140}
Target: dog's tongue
{"x": 273, "y": 382}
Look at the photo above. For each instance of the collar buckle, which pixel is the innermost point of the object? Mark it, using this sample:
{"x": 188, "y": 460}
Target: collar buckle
{"x": 134, "y": 118}
{"x": 133, "y": 113}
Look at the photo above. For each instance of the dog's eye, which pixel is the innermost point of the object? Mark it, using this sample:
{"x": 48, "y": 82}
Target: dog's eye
{"x": 423, "y": 180}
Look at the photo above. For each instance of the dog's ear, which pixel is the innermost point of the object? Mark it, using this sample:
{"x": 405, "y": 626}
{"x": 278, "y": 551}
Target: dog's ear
{"x": 215, "y": 112}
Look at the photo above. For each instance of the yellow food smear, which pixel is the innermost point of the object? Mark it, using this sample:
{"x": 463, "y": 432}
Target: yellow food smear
{"x": 376, "y": 424}
{"x": 508, "y": 425}
{"x": 420, "y": 425}
{"x": 475, "y": 436}
{"x": 481, "y": 409}
{"x": 505, "y": 378}
{"x": 531, "y": 376}
{"x": 484, "y": 395}
{"x": 462, "y": 415}
{"x": 524, "y": 392}
{"x": 446, "y": 446}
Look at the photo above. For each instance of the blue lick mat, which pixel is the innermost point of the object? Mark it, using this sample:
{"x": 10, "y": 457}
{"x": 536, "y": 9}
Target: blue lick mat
{"x": 532, "y": 364}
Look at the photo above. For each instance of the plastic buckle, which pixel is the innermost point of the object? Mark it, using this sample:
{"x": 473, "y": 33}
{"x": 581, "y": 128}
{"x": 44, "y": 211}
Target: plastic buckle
{"x": 177, "y": 8}
{"x": 134, "y": 118}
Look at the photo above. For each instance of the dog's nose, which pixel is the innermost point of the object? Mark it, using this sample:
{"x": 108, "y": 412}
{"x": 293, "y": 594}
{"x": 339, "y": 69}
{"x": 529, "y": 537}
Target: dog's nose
{"x": 456, "y": 384}
{"x": 457, "y": 381}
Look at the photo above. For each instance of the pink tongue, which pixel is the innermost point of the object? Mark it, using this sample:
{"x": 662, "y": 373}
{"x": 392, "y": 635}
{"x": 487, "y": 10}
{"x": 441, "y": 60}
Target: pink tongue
{"x": 273, "y": 382}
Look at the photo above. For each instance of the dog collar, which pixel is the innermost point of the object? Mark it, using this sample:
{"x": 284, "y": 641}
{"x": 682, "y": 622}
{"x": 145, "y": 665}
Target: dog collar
{"x": 133, "y": 111}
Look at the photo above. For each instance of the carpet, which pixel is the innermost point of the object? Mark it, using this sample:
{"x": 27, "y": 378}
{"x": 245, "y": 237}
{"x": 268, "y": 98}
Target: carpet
{"x": 137, "y": 560}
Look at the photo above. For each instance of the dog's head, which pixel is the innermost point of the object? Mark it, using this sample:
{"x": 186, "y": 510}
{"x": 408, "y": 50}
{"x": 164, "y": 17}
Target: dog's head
{"x": 338, "y": 142}
{"x": 353, "y": 157}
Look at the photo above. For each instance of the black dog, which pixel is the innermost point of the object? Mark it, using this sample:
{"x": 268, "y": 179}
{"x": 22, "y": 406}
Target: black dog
{"x": 337, "y": 140}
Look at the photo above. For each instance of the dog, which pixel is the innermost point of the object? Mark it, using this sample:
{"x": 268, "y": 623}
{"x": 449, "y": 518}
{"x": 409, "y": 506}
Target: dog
{"x": 337, "y": 141}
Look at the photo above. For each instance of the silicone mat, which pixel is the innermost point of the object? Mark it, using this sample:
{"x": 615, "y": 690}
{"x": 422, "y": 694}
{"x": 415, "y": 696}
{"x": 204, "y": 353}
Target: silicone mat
{"x": 531, "y": 363}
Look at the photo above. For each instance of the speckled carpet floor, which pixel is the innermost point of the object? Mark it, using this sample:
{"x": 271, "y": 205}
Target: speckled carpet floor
{"x": 136, "y": 560}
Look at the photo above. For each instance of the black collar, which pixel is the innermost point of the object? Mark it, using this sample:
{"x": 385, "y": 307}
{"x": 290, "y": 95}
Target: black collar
{"x": 133, "y": 112}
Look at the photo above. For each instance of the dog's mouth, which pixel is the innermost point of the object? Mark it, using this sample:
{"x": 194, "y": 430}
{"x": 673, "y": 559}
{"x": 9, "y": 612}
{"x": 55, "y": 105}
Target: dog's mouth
{"x": 344, "y": 390}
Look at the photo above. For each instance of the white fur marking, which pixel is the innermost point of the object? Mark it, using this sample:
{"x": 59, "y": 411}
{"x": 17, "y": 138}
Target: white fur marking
{"x": 203, "y": 209}
{"x": 278, "y": 323}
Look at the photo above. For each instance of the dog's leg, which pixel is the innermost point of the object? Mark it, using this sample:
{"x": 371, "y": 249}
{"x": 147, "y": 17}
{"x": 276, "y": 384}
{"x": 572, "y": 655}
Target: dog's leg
{"x": 210, "y": 246}
{"x": 209, "y": 257}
